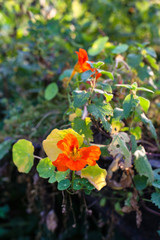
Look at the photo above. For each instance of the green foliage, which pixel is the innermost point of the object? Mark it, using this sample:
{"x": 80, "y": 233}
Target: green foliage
{"x": 83, "y": 127}
{"x": 5, "y": 147}
{"x": 23, "y": 155}
{"x": 100, "y": 111}
{"x": 80, "y": 98}
{"x": 129, "y": 104}
{"x": 63, "y": 184}
{"x": 155, "y": 198}
{"x": 46, "y": 169}
{"x": 98, "y": 46}
{"x": 60, "y": 176}
{"x": 142, "y": 164}
{"x": 120, "y": 49}
{"x": 51, "y": 91}
{"x": 140, "y": 182}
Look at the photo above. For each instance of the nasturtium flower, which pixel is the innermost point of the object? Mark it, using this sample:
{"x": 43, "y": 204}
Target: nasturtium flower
{"x": 82, "y": 65}
{"x": 63, "y": 147}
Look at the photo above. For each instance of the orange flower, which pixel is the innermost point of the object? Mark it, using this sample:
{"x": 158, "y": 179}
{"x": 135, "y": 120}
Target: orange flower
{"x": 82, "y": 65}
{"x": 73, "y": 157}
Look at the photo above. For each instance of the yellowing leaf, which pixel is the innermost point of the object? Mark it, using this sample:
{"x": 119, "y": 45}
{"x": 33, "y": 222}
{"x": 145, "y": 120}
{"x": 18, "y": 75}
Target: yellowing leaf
{"x": 50, "y": 144}
{"x": 95, "y": 175}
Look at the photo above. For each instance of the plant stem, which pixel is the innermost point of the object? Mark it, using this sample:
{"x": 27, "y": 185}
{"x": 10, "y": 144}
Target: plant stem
{"x": 73, "y": 177}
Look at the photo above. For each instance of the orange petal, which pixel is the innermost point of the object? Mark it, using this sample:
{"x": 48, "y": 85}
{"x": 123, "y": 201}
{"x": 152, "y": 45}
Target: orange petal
{"x": 90, "y": 154}
{"x": 60, "y": 162}
{"x": 68, "y": 143}
{"x": 76, "y": 165}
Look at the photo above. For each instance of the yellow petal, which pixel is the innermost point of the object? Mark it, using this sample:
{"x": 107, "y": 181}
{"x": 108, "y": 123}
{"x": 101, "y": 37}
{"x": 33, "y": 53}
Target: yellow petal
{"x": 50, "y": 144}
{"x": 95, "y": 175}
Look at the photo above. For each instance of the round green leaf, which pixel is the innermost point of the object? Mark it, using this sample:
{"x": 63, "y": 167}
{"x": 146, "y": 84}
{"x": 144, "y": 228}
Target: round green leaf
{"x": 23, "y": 155}
{"x": 51, "y": 91}
{"x": 45, "y": 168}
{"x": 64, "y": 184}
{"x": 77, "y": 184}
{"x": 61, "y": 175}
{"x": 120, "y": 49}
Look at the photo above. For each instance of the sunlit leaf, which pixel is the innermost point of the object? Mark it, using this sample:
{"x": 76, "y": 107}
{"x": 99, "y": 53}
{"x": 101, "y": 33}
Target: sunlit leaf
{"x": 97, "y": 46}
{"x": 23, "y": 155}
{"x": 95, "y": 176}
{"x": 45, "y": 168}
{"x": 142, "y": 164}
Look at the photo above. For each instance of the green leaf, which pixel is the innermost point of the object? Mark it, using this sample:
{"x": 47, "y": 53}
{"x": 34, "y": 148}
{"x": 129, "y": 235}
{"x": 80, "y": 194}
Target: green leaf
{"x": 61, "y": 175}
{"x": 80, "y": 98}
{"x": 137, "y": 132}
{"x": 95, "y": 175}
{"x": 64, "y": 184}
{"x": 143, "y": 72}
{"x": 108, "y": 96}
{"x": 77, "y": 184}
{"x": 85, "y": 75}
{"x": 133, "y": 143}
{"x": 142, "y": 164}
{"x": 100, "y": 112}
{"x": 97, "y": 64}
{"x": 97, "y": 46}
{"x": 120, "y": 49}
{"x": 45, "y": 168}
{"x": 144, "y": 89}
{"x": 156, "y": 184}
{"x": 118, "y": 114}
{"x": 105, "y": 86}
{"x": 145, "y": 103}
{"x": 134, "y": 59}
{"x": 140, "y": 182}
{"x": 5, "y": 147}
{"x": 124, "y": 85}
{"x": 108, "y": 74}
{"x": 129, "y": 103}
{"x": 155, "y": 198}
{"x": 149, "y": 124}
{"x": 83, "y": 127}
{"x": 152, "y": 62}
{"x": 23, "y": 155}
{"x": 51, "y": 91}
{"x": 52, "y": 179}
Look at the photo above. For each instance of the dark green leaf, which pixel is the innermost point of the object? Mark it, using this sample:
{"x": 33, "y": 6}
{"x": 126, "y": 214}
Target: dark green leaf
{"x": 140, "y": 182}
{"x": 155, "y": 198}
{"x": 64, "y": 184}
{"x": 80, "y": 98}
{"x": 5, "y": 147}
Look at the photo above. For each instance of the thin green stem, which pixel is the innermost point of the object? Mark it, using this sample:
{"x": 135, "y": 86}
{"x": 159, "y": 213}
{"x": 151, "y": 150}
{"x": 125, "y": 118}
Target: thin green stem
{"x": 73, "y": 177}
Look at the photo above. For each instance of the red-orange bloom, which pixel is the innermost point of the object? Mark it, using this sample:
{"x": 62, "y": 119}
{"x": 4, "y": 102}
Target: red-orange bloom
{"x": 73, "y": 157}
{"x": 82, "y": 65}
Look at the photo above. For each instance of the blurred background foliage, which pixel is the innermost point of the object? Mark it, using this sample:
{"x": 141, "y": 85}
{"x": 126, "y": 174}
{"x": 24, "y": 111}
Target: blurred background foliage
{"x": 38, "y": 40}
